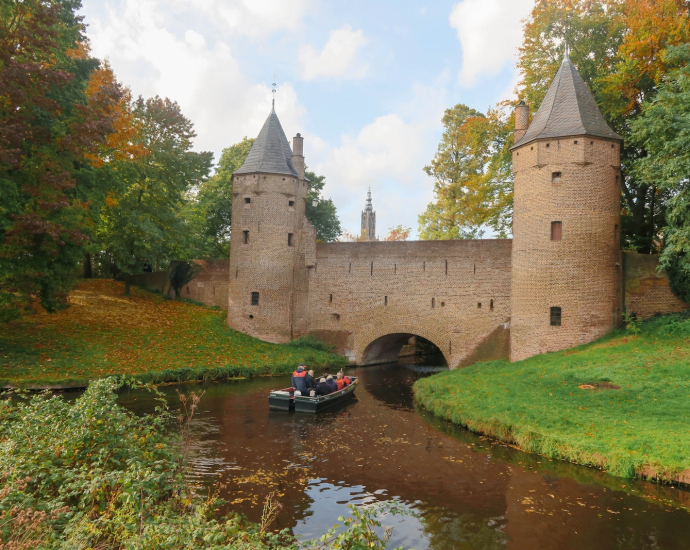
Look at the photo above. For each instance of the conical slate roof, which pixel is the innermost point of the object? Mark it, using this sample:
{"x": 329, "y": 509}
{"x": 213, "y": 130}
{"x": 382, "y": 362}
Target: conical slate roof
{"x": 271, "y": 153}
{"x": 568, "y": 109}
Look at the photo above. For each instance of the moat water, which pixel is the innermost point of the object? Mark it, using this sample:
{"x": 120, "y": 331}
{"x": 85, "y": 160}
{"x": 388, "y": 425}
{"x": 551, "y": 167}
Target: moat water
{"x": 464, "y": 491}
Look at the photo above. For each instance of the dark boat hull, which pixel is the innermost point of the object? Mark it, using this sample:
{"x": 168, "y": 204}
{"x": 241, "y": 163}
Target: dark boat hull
{"x": 281, "y": 400}
{"x": 314, "y": 405}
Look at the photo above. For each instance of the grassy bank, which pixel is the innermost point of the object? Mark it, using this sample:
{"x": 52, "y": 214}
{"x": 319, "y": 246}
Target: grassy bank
{"x": 620, "y": 404}
{"x": 145, "y": 336}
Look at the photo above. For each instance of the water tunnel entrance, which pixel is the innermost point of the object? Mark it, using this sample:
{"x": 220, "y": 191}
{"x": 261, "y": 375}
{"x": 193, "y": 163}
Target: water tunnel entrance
{"x": 400, "y": 346}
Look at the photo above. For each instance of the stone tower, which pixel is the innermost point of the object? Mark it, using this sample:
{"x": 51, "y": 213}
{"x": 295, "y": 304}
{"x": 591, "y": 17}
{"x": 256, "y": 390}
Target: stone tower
{"x": 566, "y": 250}
{"x": 369, "y": 220}
{"x": 272, "y": 245}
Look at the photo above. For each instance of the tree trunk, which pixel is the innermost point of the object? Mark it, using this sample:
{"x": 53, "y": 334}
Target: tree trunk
{"x": 88, "y": 268}
{"x": 128, "y": 283}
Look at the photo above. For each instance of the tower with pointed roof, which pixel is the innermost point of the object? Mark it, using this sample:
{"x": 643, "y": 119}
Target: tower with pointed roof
{"x": 369, "y": 220}
{"x": 272, "y": 243}
{"x": 566, "y": 217}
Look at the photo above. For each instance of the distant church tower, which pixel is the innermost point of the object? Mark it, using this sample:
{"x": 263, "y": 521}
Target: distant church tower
{"x": 566, "y": 244}
{"x": 272, "y": 245}
{"x": 368, "y": 220}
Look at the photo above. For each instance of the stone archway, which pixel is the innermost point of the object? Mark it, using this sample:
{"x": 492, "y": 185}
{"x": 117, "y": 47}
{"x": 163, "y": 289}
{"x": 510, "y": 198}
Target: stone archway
{"x": 385, "y": 348}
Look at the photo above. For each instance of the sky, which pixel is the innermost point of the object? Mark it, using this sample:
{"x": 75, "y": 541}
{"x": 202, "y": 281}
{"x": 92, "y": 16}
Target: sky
{"x": 365, "y": 82}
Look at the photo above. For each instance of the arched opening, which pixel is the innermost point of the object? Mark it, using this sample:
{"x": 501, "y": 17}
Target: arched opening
{"x": 399, "y": 346}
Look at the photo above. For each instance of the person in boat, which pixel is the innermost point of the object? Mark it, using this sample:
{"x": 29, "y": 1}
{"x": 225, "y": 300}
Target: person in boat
{"x": 310, "y": 380}
{"x": 331, "y": 383}
{"x": 322, "y": 388}
{"x": 299, "y": 380}
{"x": 342, "y": 381}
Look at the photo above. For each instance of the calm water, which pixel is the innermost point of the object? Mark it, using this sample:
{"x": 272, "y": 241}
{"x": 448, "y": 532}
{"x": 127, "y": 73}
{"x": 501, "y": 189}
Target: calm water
{"x": 466, "y": 491}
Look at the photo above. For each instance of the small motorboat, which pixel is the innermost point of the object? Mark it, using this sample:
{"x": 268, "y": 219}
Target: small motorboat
{"x": 285, "y": 399}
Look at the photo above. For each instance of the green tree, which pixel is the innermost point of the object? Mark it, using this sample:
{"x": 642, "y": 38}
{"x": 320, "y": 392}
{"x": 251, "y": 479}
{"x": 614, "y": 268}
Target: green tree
{"x": 211, "y": 210}
{"x": 472, "y": 176}
{"x": 663, "y": 130}
{"x": 50, "y": 131}
{"x": 213, "y": 206}
{"x": 143, "y": 222}
{"x": 323, "y": 216}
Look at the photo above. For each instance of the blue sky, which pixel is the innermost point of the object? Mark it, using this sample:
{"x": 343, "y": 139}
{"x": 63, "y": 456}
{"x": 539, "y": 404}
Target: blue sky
{"x": 365, "y": 82}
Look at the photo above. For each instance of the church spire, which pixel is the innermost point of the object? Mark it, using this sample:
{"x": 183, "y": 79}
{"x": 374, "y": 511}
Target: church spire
{"x": 369, "y": 220}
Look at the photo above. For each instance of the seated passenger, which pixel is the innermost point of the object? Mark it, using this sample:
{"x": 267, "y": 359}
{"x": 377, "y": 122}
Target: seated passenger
{"x": 331, "y": 383}
{"x": 299, "y": 380}
{"x": 322, "y": 387}
{"x": 311, "y": 382}
{"x": 347, "y": 380}
{"x": 341, "y": 381}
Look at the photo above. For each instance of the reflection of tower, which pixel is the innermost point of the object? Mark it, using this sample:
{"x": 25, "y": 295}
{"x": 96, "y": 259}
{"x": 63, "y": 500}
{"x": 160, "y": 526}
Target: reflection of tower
{"x": 369, "y": 220}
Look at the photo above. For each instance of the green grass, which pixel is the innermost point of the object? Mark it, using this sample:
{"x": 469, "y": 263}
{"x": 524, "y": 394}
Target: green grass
{"x": 640, "y": 429}
{"x": 143, "y": 336}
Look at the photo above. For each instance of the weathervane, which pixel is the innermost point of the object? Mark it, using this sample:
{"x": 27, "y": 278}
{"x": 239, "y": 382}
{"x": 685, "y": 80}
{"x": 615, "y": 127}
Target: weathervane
{"x": 273, "y": 91}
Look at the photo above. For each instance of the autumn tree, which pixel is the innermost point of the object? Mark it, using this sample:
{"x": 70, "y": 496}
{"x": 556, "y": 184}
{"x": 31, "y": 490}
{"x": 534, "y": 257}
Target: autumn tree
{"x": 398, "y": 233}
{"x": 49, "y": 131}
{"x": 143, "y": 222}
{"x": 472, "y": 176}
{"x": 618, "y": 47}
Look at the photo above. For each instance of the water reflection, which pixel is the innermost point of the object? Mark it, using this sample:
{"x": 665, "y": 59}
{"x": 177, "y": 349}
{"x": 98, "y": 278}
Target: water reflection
{"x": 468, "y": 492}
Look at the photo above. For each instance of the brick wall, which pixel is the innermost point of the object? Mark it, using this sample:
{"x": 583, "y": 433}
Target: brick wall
{"x": 361, "y": 292}
{"x": 210, "y": 286}
{"x": 647, "y": 292}
{"x": 579, "y": 273}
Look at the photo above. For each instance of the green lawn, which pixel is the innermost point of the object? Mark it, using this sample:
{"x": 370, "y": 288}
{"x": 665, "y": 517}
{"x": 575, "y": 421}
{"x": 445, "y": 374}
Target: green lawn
{"x": 621, "y": 403}
{"x": 105, "y": 333}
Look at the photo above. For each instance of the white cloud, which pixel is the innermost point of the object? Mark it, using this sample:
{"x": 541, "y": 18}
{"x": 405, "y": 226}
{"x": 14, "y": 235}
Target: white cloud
{"x": 338, "y": 58}
{"x": 490, "y": 32}
{"x": 389, "y": 153}
{"x": 204, "y": 78}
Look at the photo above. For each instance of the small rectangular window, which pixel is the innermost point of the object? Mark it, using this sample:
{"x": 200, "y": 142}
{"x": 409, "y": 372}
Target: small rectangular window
{"x": 575, "y": 142}
{"x": 491, "y": 304}
{"x": 289, "y": 239}
{"x": 245, "y": 237}
{"x": 556, "y": 231}
{"x": 291, "y": 203}
{"x": 255, "y": 298}
{"x": 247, "y": 200}
{"x": 385, "y": 300}
{"x": 556, "y": 178}
{"x": 330, "y": 298}
{"x": 555, "y": 316}
{"x": 479, "y": 305}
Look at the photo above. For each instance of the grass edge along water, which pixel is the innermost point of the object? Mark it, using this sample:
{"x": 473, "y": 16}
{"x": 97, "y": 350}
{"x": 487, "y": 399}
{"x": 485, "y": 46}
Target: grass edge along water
{"x": 142, "y": 336}
{"x": 618, "y": 404}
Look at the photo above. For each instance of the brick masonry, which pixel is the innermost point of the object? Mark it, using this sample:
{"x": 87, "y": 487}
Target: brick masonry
{"x": 574, "y": 181}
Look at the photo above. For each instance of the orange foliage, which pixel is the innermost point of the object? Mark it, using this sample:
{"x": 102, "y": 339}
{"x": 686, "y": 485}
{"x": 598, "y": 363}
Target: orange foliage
{"x": 652, "y": 26}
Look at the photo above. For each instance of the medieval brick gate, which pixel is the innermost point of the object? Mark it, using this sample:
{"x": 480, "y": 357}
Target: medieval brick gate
{"x": 561, "y": 282}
